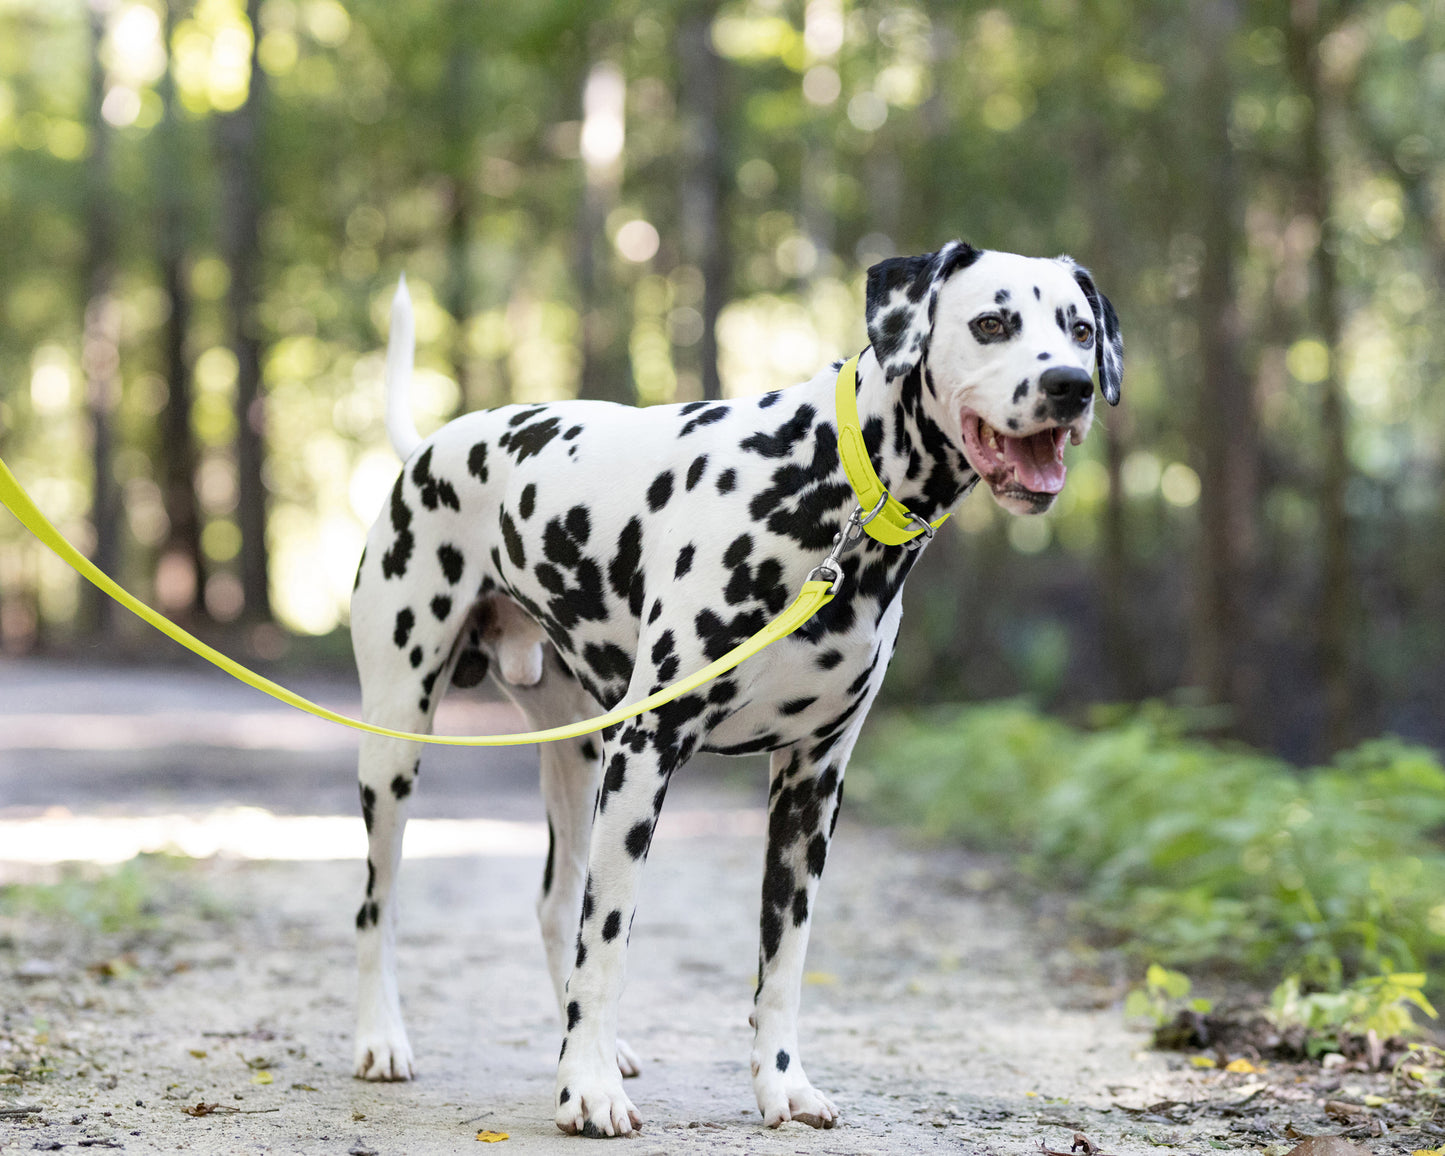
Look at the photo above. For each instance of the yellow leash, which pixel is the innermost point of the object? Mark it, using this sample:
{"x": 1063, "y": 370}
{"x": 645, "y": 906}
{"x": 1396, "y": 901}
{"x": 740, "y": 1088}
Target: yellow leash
{"x": 816, "y": 593}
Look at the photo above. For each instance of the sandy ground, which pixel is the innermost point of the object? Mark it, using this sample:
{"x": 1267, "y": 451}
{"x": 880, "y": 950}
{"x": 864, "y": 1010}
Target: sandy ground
{"x": 940, "y": 1012}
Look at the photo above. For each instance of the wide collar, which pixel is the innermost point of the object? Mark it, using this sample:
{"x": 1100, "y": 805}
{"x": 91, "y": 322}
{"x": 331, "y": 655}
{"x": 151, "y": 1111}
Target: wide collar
{"x": 894, "y": 524}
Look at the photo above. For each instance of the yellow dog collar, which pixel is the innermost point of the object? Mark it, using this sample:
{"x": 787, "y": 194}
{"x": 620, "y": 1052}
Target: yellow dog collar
{"x": 894, "y": 524}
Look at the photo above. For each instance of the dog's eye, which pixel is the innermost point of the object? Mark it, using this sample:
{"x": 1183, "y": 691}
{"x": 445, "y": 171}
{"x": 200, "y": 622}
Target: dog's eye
{"x": 1083, "y": 332}
{"x": 990, "y": 326}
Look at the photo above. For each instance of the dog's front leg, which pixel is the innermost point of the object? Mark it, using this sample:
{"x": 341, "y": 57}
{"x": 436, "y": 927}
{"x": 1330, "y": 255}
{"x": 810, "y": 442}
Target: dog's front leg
{"x": 638, "y": 758}
{"x": 805, "y": 790}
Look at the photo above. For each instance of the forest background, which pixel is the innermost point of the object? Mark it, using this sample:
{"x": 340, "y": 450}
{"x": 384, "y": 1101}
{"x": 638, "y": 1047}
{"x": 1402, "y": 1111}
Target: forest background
{"x": 204, "y": 208}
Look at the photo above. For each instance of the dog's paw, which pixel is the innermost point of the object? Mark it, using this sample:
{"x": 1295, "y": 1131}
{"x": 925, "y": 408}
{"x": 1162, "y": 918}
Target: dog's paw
{"x": 384, "y": 1056}
{"x": 627, "y": 1062}
{"x": 595, "y": 1106}
{"x": 784, "y": 1096}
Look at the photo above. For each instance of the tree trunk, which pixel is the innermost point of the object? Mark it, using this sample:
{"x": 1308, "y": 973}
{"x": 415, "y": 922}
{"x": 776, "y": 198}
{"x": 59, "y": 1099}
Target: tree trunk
{"x": 178, "y": 444}
{"x": 100, "y": 349}
{"x": 238, "y": 136}
{"x": 1339, "y": 597}
{"x": 704, "y": 180}
{"x": 605, "y": 372}
{"x": 1225, "y": 426}
{"x": 459, "y": 123}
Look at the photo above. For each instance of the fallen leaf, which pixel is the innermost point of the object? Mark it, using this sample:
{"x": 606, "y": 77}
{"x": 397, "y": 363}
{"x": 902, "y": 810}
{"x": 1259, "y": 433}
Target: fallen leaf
{"x": 491, "y": 1137}
{"x": 1203, "y": 1061}
{"x": 262, "y": 1077}
{"x": 199, "y": 1053}
{"x": 302, "y": 1088}
{"x": 820, "y": 978}
{"x": 1374, "y": 1101}
{"x": 1328, "y": 1146}
{"x": 1240, "y": 1065}
{"x": 1429, "y": 1151}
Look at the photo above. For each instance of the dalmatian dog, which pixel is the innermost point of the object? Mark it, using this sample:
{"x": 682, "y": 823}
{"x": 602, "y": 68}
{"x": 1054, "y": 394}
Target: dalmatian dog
{"x": 587, "y": 554}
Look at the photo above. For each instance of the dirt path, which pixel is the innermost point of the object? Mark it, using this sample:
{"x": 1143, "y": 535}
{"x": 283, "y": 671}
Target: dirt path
{"x": 934, "y": 1014}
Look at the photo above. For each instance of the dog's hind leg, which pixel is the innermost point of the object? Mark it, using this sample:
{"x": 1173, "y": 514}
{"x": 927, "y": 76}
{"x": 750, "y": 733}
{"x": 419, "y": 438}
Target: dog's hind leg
{"x": 404, "y": 659}
{"x": 571, "y": 771}
{"x": 805, "y": 790}
{"x": 388, "y": 768}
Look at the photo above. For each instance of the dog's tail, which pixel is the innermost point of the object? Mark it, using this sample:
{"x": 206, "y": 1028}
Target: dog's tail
{"x": 400, "y": 355}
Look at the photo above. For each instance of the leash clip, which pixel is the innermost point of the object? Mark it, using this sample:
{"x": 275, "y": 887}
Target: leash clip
{"x": 830, "y": 569}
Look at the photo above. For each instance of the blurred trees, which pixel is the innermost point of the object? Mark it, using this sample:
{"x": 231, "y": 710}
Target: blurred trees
{"x": 658, "y": 202}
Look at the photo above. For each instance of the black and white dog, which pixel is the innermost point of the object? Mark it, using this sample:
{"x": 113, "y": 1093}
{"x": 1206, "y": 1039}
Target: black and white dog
{"x": 590, "y": 553}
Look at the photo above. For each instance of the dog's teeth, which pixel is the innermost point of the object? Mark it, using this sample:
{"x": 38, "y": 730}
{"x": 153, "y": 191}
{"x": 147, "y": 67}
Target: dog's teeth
{"x": 1074, "y": 438}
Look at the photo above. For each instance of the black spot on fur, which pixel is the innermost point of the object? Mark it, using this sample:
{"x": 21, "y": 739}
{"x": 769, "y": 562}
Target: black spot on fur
{"x": 829, "y": 659}
{"x": 782, "y": 1060}
{"x": 393, "y": 562}
{"x": 579, "y": 524}
{"x": 784, "y": 439}
{"x": 531, "y": 440}
{"x": 817, "y": 854}
{"x": 1021, "y": 390}
{"x": 574, "y": 1013}
{"x": 477, "y": 462}
{"x": 588, "y": 749}
{"x": 695, "y": 471}
{"x": 434, "y": 491}
{"x": 797, "y": 705}
{"x": 405, "y": 620}
{"x": 717, "y": 413}
{"x": 623, "y": 572}
{"x": 684, "y": 560}
{"x": 581, "y": 952}
{"x": 368, "y": 807}
{"x": 415, "y": 657}
{"x": 660, "y": 491}
{"x": 528, "y": 501}
{"x": 513, "y": 541}
{"x": 768, "y": 400}
{"x": 441, "y": 606}
{"x": 639, "y": 838}
{"x": 367, "y": 916}
{"x": 611, "y": 925}
{"x": 451, "y": 561}
{"x": 613, "y": 780}
{"x": 727, "y": 481}
{"x": 472, "y": 666}
{"x": 551, "y": 855}
{"x": 401, "y": 786}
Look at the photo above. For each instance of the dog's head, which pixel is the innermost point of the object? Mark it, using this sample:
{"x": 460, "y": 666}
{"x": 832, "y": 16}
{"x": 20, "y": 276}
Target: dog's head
{"x": 1008, "y": 346}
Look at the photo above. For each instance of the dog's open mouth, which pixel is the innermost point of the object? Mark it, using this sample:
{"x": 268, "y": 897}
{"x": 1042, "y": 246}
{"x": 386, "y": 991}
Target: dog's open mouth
{"x": 1032, "y": 464}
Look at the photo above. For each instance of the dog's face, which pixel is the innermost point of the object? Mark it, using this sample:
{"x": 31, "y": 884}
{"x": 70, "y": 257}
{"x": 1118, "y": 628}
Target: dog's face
{"x": 1008, "y": 346}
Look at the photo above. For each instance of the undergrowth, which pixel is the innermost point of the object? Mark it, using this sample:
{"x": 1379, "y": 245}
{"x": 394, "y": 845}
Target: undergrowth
{"x": 1186, "y": 852}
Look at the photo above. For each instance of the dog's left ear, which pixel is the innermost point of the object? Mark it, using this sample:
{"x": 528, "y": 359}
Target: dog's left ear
{"x": 902, "y": 296}
{"x": 1109, "y": 344}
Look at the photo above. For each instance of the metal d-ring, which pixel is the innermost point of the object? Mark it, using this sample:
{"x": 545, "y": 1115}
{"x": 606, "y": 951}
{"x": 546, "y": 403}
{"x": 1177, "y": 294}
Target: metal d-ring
{"x": 925, "y": 532}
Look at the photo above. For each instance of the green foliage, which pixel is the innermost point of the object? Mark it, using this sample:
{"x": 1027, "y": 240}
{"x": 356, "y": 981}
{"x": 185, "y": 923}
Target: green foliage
{"x": 1164, "y": 994}
{"x": 1378, "y": 1003}
{"x": 133, "y": 897}
{"x": 1192, "y": 853}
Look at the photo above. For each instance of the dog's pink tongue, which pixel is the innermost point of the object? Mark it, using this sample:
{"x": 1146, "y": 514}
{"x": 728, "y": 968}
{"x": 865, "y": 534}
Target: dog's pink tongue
{"x": 1035, "y": 461}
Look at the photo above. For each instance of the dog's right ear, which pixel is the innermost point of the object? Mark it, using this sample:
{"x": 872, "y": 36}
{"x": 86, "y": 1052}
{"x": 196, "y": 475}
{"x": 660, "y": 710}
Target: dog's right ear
{"x": 902, "y": 295}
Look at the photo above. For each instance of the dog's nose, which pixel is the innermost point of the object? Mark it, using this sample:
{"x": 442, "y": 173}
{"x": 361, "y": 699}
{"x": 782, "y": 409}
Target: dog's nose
{"x": 1066, "y": 385}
